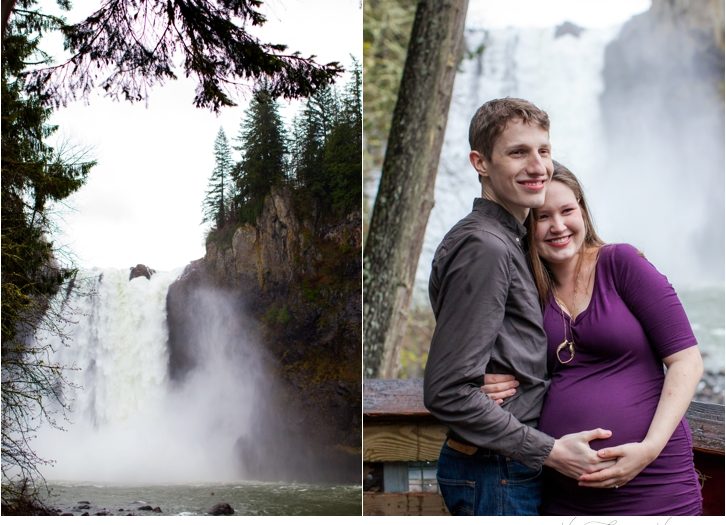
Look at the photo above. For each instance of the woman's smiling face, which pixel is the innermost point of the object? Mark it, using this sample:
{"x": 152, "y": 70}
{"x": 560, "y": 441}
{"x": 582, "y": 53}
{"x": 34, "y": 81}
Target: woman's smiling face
{"x": 559, "y": 226}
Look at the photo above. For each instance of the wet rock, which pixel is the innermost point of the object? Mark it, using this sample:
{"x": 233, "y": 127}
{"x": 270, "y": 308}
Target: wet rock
{"x": 146, "y": 507}
{"x": 84, "y": 502}
{"x": 141, "y": 270}
{"x": 102, "y": 513}
{"x": 67, "y": 514}
{"x": 221, "y": 509}
{"x": 568, "y": 28}
{"x": 156, "y": 509}
{"x": 84, "y": 506}
{"x": 85, "y": 514}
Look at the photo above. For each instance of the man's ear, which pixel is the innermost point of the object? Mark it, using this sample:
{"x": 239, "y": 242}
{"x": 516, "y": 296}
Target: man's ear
{"x": 478, "y": 162}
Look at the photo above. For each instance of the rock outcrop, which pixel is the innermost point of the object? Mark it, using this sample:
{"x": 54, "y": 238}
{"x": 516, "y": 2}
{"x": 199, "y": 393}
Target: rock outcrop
{"x": 221, "y": 509}
{"x": 140, "y": 270}
{"x": 300, "y": 278}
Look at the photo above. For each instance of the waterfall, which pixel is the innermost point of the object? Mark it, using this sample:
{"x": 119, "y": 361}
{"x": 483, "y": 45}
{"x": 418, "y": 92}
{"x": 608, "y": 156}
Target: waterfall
{"x": 641, "y": 202}
{"x": 128, "y": 422}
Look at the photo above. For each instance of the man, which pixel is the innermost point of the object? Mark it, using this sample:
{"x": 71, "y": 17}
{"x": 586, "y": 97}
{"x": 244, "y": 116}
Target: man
{"x": 488, "y": 319}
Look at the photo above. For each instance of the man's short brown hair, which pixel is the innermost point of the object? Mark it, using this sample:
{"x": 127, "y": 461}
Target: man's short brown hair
{"x": 491, "y": 118}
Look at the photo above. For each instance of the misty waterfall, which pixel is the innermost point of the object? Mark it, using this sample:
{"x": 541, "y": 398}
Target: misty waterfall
{"x": 127, "y": 420}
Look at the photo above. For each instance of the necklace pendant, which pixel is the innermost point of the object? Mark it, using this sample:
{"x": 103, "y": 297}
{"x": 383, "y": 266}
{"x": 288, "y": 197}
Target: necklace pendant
{"x": 570, "y": 347}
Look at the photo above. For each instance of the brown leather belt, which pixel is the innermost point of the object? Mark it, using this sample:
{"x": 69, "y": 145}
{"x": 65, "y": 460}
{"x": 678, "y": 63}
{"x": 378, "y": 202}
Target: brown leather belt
{"x": 464, "y": 448}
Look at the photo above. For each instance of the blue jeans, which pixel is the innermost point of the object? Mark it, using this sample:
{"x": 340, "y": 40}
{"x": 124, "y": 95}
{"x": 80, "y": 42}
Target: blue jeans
{"x": 487, "y": 484}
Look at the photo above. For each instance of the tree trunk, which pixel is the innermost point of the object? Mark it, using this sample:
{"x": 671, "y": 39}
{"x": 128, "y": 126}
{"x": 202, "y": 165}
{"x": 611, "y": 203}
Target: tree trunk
{"x": 7, "y": 8}
{"x": 406, "y": 190}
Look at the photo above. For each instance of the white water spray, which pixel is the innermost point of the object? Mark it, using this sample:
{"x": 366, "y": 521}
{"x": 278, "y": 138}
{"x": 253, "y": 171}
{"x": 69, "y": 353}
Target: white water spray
{"x": 128, "y": 421}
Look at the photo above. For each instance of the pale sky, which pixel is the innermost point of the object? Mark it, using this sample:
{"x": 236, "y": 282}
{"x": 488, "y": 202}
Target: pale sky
{"x": 547, "y": 13}
{"x": 142, "y": 202}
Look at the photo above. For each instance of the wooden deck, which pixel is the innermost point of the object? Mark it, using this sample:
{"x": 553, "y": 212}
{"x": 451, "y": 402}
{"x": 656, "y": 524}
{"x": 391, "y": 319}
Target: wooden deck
{"x": 401, "y": 439}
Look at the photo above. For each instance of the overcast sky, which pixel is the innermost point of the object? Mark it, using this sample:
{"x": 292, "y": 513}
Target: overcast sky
{"x": 547, "y": 13}
{"x": 142, "y": 202}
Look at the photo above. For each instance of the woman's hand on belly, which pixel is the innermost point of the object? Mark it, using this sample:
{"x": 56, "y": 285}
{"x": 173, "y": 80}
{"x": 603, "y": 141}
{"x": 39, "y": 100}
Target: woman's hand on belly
{"x": 631, "y": 459}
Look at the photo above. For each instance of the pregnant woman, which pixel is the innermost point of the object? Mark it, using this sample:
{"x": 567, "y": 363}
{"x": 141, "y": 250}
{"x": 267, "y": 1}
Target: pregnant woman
{"x": 612, "y": 323}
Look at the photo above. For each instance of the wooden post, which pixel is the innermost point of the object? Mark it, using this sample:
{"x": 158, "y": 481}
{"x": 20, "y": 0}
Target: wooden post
{"x": 405, "y": 194}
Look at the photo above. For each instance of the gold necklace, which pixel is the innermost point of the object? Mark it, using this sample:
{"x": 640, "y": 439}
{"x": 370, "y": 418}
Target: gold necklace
{"x": 568, "y": 345}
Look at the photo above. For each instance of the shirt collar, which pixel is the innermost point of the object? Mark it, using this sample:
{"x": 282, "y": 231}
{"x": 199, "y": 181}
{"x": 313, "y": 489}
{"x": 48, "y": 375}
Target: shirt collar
{"x": 495, "y": 211}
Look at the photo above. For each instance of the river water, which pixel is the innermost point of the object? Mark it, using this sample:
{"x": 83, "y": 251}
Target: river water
{"x": 247, "y": 498}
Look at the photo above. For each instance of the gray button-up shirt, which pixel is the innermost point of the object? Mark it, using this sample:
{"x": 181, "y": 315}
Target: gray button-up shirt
{"x": 488, "y": 319}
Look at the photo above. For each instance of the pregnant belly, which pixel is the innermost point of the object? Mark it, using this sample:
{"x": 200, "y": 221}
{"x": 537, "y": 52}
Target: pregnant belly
{"x": 624, "y": 407}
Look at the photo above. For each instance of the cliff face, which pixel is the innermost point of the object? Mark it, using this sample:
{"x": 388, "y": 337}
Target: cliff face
{"x": 301, "y": 282}
{"x": 672, "y": 54}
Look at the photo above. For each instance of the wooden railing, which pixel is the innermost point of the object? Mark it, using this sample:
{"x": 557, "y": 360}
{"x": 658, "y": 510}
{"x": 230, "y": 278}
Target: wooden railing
{"x": 401, "y": 443}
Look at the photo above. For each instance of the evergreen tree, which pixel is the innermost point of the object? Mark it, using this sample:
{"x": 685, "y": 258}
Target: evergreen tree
{"x": 342, "y": 153}
{"x": 34, "y": 175}
{"x": 127, "y": 47}
{"x": 317, "y": 120}
{"x": 217, "y": 203}
{"x": 262, "y": 143}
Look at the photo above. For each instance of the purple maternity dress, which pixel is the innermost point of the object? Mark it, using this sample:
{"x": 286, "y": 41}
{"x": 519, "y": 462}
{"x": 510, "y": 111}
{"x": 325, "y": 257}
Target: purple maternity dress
{"x": 633, "y": 321}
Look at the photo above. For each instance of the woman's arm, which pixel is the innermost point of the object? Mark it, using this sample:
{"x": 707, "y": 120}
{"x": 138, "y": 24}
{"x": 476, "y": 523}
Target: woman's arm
{"x": 685, "y": 369}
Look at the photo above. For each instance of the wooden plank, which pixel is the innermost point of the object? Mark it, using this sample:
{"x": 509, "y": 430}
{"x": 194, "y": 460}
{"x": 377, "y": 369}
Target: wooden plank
{"x": 401, "y": 400}
{"x": 402, "y": 442}
{"x": 393, "y": 397}
{"x": 707, "y": 426}
{"x": 403, "y": 504}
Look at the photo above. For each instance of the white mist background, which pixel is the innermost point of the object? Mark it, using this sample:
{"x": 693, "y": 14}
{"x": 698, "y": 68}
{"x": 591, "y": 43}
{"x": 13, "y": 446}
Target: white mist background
{"x": 128, "y": 423}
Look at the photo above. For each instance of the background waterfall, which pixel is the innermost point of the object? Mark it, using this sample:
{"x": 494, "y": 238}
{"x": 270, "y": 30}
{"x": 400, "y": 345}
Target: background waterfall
{"x": 128, "y": 421}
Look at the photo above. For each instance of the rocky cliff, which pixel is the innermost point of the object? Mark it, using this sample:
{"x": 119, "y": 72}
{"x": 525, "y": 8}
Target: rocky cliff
{"x": 300, "y": 279}
{"x": 671, "y": 55}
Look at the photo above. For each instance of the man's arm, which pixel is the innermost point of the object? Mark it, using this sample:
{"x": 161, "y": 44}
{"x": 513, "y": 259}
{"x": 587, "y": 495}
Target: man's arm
{"x": 471, "y": 286}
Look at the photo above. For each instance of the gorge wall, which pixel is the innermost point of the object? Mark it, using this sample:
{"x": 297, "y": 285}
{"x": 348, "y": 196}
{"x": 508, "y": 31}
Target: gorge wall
{"x": 297, "y": 283}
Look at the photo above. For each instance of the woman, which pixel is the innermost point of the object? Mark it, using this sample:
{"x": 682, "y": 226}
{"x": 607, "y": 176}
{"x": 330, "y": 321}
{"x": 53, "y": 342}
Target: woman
{"x": 612, "y": 322}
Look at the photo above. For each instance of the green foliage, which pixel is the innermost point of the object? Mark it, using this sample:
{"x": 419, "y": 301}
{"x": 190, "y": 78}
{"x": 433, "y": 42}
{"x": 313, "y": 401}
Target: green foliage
{"x": 321, "y": 161}
{"x": 415, "y": 344}
{"x": 263, "y": 146}
{"x": 217, "y": 207}
{"x": 127, "y": 47}
{"x": 277, "y": 315}
{"x": 328, "y": 147}
{"x": 34, "y": 176}
{"x": 310, "y": 131}
{"x": 385, "y": 45}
